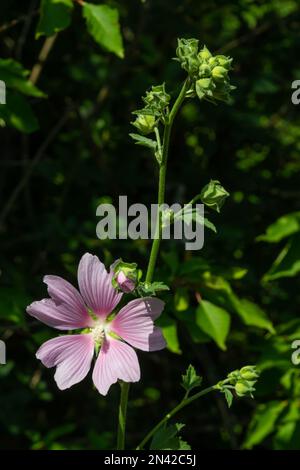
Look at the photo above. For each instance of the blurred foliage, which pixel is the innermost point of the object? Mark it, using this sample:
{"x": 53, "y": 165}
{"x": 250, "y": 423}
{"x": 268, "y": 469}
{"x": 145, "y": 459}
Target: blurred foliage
{"x": 65, "y": 149}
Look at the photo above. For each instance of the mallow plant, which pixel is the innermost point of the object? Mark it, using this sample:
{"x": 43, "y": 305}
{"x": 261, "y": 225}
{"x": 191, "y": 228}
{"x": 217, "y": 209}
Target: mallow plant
{"x": 112, "y": 315}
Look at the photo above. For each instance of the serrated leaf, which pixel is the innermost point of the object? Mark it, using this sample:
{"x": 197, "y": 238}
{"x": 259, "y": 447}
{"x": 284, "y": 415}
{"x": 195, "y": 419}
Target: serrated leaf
{"x": 189, "y": 215}
{"x": 166, "y": 438}
{"x": 144, "y": 141}
{"x": 54, "y": 17}
{"x": 190, "y": 379}
{"x": 214, "y": 321}
{"x": 103, "y": 25}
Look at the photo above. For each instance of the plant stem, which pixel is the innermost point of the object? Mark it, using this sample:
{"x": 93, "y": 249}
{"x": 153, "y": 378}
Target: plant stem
{"x": 156, "y": 242}
{"x": 182, "y": 404}
{"x": 162, "y": 179}
{"x": 122, "y": 415}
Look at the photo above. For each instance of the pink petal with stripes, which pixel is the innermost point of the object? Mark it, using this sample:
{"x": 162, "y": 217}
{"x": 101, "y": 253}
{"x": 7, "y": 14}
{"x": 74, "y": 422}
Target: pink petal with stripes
{"x": 95, "y": 285}
{"x": 134, "y": 324}
{"x": 72, "y": 355}
{"x": 116, "y": 361}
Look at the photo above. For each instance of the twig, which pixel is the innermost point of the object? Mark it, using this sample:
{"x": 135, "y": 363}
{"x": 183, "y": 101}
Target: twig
{"x": 38, "y": 67}
{"x": 16, "y": 21}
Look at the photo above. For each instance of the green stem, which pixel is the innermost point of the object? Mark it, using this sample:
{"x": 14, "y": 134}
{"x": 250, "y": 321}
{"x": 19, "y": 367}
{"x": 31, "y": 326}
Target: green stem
{"x": 162, "y": 179}
{"x": 156, "y": 241}
{"x": 122, "y": 415}
{"x": 182, "y": 404}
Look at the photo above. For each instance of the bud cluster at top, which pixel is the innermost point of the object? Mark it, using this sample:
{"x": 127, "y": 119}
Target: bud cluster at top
{"x": 156, "y": 105}
{"x": 208, "y": 73}
{"x": 242, "y": 381}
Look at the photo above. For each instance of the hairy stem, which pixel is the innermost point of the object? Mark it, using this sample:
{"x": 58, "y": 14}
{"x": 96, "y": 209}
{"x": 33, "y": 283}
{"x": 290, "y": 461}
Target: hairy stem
{"x": 162, "y": 179}
{"x": 122, "y": 415}
{"x": 186, "y": 401}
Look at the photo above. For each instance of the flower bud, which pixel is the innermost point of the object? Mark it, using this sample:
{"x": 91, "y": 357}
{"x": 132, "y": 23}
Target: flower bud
{"x": 219, "y": 73}
{"x": 213, "y": 195}
{"x": 187, "y": 53}
{"x": 249, "y": 373}
{"x": 204, "y": 71}
{"x": 145, "y": 123}
{"x": 224, "y": 61}
{"x": 244, "y": 387}
{"x": 125, "y": 276}
{"x": 124, "y": 282}
{"x": 204, "y": 54}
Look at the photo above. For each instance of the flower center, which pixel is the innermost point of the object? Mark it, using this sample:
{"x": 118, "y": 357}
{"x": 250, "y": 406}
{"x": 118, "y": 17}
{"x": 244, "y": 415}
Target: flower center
{"x": 98, "y": 334}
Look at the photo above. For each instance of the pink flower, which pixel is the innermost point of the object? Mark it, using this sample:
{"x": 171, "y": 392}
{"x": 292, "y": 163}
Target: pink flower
{"x": 67, "y": 309}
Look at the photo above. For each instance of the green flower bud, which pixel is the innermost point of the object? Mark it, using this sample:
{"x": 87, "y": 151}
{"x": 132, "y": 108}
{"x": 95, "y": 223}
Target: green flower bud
{"x": 145, "y": 123}
{"x": 204, "y": 54}
{"x": 224, "y": 61}
{"x": 242, "y": 388}
{"x": 213, "y": 195}
{"x": 219, "y": 73}
{"x": 187, "y": 53}
{"x": 204, "y": 71}
{"x": 249, "y": 373}
{"x": 125, "y": 276}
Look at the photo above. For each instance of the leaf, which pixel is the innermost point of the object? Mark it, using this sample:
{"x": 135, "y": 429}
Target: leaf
{"x": 214, "y": 321}
{"x": 188, "y": 215}
{"x": 169, "y": 329}
{"x": 287, "y": 264}
{"x": 144, "y": 141}
{"x": 16, "y": 77}
{"x": 103, "y": 25}
{"x": 18, "y": 113}
{"x": 166, "y": 438}
{"x": 253, "y": 315}
{"x": 146, "y": 288}
{"x": 55, "y": 16}
{"x": 190, "y": 379}
{"x": 285, "y": 226}
{"x": 229, "y": 397}
{"x": 181, "y": 299}
{"x": 263, "y": 422}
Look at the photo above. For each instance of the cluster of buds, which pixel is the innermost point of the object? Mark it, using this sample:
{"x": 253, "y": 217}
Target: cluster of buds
{"x": 208, "y": 73}
{"x": 241, "y": 381}
{"x": 125, "y": 276}
{"x": 213, "y": 195}
{"x": 156, "y": 104}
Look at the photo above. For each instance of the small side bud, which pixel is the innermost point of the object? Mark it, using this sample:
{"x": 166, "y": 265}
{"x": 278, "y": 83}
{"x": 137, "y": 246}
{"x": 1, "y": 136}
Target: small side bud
{"x": 213, "y": 195}
{"x": 145, "y": 123}
{"x": 125, "y": 276}
{"x": 249, "y": 373}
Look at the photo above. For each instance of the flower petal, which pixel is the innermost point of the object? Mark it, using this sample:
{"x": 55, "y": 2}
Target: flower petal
{"x": 134, "y": 324}
{"x": 72, "y": 354}
{"x": 95, "y": 285}
{"x": 61, "y": 291}
{"x": 116, "y": 360}
{"x": 59, "y": 316}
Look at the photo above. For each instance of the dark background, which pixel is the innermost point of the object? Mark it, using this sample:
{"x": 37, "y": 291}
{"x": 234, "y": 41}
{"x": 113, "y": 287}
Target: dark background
{"x": 81, "y": 155}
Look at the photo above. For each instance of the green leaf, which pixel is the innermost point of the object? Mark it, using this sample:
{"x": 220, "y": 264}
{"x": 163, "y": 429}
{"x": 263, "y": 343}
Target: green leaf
{"x": 169, "y": 329}
{"x": 229, "y": 397}
{"x": 181, "y": 299}
{"x": 283, "y": 227}
{"x": 263, "y": 422}
{"x": 55, "y": 16}
{"x": 214, "y": 321}
{"x": 18, "y": 113}
{"x": 16, "y": 77}
{"x": 103, "y": 25}
{"x": 287, "y": 264}
{"x": 144, "y": 141}
{"x": 188, "y": 215}
{"x": 166, "y": 438}
{"x": 253, "y": 315}
{"x": 190, "y": 379}
{"x": 146, "y": 288}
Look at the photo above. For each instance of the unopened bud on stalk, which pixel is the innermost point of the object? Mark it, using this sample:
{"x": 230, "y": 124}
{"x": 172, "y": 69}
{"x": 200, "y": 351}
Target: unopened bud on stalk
{"x": 213, "y": 195}
{"x": 145, "y": 123}
{"x": 125, "y": 276}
